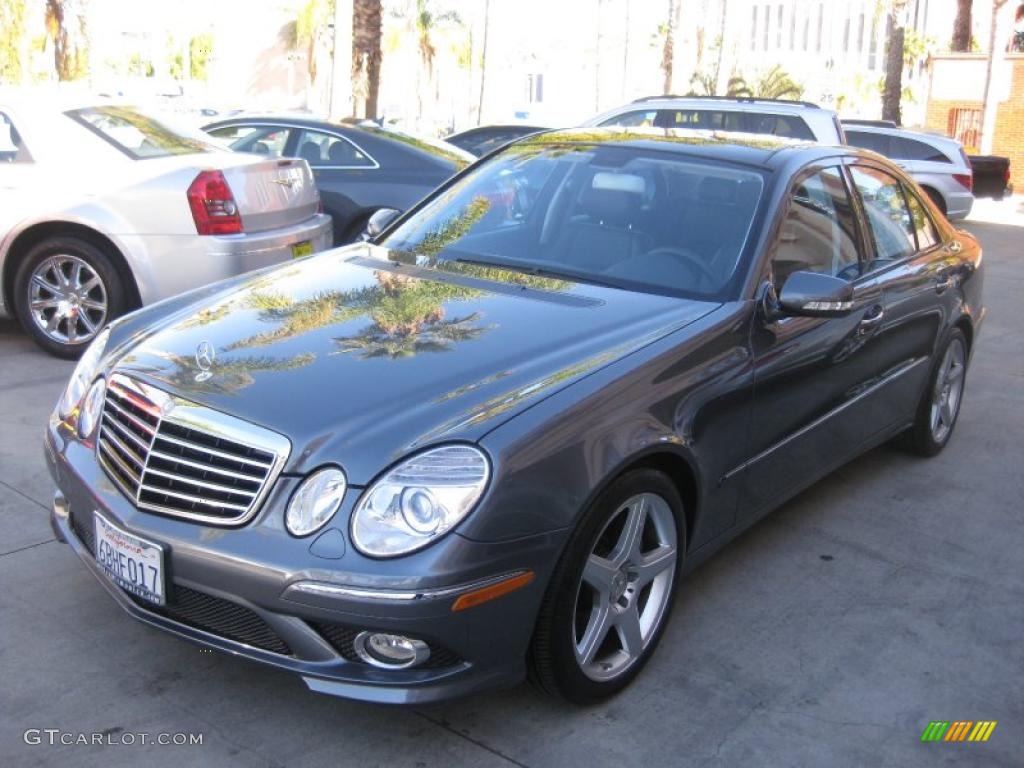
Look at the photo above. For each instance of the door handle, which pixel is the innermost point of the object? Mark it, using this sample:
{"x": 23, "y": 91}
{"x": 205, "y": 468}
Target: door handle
{"x": 871, "y": 320}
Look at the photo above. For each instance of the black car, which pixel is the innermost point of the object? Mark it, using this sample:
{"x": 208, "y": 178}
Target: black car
{"x": 487, "y": 138}
{"x": 358, "y": 167}
{"x": 491, "y": 442}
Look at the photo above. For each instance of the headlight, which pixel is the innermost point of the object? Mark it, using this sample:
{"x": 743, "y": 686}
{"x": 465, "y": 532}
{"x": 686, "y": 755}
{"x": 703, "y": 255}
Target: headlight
{"x": 83, "y": 374}
{"x": 92, "y": 408}
{"x": 419, "y": 500}
{"x": 315, "y": 502}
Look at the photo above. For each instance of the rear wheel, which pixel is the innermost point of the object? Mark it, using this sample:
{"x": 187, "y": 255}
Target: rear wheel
{"x": 65, "y": 291}
{"x": 940, "y": 404}
{"x": 612, "y": 591}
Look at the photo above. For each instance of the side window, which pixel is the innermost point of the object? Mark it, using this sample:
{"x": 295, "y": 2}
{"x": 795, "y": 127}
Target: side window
{"x": 910, "y": 149}
{"x": 924, "y": 227}
{"x": 322, "y": 150}
{"x": 876, "y": 142}
{"x": 892, "y": 228}
{"x": 788, "y": 126}
{"x": 12, "y": 148}
{"x": 258, "y": 139}
{"x": 639, "y": 119}
{"x": 819, "y": 231}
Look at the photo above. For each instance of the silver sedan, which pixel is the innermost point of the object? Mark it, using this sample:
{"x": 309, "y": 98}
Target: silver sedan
{"x": 104, "y": 208}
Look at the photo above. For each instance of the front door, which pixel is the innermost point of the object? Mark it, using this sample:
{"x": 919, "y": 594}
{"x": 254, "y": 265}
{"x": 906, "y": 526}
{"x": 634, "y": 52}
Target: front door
{"x": 811, "y": 375}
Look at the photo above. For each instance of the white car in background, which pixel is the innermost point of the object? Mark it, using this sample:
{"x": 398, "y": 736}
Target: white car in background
{"x": 104, "y": 208}
{"x": 938, "y": 163}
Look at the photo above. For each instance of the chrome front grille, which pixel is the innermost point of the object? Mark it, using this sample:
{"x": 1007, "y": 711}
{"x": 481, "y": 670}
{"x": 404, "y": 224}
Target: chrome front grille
{"x": 178, "y": 458}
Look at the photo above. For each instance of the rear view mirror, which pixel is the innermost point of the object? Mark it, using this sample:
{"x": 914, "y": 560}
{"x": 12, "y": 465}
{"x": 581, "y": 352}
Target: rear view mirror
{"x": 379, "y": 221}
{"x": 812, "y": 294}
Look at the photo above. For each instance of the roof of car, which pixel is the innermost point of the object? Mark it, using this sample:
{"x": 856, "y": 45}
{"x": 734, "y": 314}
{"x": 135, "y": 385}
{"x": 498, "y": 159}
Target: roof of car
{"x": 737, "y": 101}
{"x": 745, "y": 148}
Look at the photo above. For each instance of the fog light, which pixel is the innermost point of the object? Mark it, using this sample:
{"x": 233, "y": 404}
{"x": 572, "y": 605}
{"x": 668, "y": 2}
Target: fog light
{"x": 390, "y": 651}
{"x": 92, "y": 408}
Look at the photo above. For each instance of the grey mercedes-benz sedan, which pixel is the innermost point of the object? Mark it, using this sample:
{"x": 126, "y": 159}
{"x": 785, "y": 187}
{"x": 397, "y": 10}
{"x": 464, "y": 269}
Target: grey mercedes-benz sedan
{"x": 490, "y": 442}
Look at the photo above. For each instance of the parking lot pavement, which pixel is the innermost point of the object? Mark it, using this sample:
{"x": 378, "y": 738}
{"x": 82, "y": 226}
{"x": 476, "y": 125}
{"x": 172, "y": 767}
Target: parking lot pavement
{"x": 831, "y": 633}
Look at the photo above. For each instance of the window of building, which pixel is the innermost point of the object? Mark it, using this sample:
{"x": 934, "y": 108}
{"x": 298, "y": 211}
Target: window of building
{"x": 792, "y": 29}
{"x": 821, "y": 26}
{"x": 753, "y": 30}
{"x": 873, "y": 45}
{"x": 767, "y": 24}
{"x": 860, "y": 34}
{"x": 965, "y": 126}
{"x": 778, "y": 28}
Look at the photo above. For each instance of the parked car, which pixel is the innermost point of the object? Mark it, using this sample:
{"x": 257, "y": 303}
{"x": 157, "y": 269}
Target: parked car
{"x": 359, "y": 167}
{"x": 486, "y": 138}
{"x": 104, "y": 208}
{"x": 938, "y": 163}
{"x": 774, "y": 117}
{"x": 991, "y": 174}
{"x": 492, "y": 441}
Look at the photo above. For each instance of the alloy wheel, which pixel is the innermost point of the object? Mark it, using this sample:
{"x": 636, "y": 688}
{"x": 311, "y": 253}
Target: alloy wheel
{"x": 625, "y": 587}
{"x": 949, "y": 387}
{"x": 67, "y": 299}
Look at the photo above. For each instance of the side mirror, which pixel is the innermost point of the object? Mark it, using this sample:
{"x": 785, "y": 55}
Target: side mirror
{"x": 812, "y": 294}
{"x": 379, "y": 221}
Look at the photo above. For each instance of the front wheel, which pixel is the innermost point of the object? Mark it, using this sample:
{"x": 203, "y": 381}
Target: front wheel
{"x": 940, "y": 404}
{"x": 612, "y": 591}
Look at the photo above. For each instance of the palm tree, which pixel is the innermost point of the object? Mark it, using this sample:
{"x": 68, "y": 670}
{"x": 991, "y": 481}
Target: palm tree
{"x": 427, "y": 20}
{"x": 12, "y": 40}
{"x": 66, "y": 26}
{"x": 962, "y": 26}
{"x": 668, "y": 49}
{"x": 893, "y": 90}
{"x": 776, "y": 84}
{"x": 366, "y": 56}
{"x": 483, "y": 62}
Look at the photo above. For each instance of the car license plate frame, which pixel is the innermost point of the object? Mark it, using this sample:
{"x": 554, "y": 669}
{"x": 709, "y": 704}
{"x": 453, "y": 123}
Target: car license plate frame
{"x": 135, "y": 564}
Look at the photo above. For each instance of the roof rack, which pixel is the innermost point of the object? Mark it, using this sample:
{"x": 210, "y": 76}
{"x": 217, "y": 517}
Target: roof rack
{"x": 869, "y": 123}
{"x": 739, "y": 99}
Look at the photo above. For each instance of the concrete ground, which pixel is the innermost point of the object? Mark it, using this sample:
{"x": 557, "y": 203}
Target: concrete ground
{"x": 830, "y": 634}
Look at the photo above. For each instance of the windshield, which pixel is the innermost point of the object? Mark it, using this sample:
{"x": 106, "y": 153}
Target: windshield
{"x": 137, "y": 135}
{"x": 620, "y": 216}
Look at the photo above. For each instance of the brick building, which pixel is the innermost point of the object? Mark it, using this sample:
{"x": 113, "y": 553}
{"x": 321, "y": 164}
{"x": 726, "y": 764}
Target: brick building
{"x": 955, "y": 107}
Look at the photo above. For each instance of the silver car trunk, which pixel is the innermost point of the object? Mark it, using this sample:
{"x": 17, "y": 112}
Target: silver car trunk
{"x": 272, "y": 193}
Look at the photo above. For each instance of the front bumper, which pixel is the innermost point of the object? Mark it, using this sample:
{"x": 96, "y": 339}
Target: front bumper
{"x": 236, "y": 590}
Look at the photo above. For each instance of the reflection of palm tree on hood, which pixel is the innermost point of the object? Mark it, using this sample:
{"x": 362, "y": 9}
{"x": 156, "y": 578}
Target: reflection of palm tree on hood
{"x": 229, "y": 374}
{"x": 432, "y": 335}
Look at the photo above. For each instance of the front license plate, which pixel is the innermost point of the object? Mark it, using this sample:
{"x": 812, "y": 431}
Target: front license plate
{"x": 305, "y": 248}
{"x": 134, "y": 564}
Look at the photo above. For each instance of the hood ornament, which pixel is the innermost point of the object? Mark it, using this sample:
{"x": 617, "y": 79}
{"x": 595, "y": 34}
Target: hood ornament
{"x": 205, "y": 357}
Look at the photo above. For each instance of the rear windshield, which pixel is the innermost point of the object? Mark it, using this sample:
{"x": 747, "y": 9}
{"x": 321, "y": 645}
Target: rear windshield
{"x": 137, "y": 135}
{"x": 650, "y": 221}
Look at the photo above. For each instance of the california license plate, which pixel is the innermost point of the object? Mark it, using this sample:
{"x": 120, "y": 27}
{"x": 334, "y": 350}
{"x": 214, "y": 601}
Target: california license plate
{"x": 134, "y": 564}
{"x": 305, "y": 248}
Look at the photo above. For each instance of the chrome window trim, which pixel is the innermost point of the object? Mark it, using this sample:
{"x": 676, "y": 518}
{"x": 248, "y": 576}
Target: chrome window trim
{"x": 185, "y": 413}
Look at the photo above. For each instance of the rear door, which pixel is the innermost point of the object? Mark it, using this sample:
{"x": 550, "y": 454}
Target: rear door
{"x": 916, "y": 271}
{"x": 813, "y": 376}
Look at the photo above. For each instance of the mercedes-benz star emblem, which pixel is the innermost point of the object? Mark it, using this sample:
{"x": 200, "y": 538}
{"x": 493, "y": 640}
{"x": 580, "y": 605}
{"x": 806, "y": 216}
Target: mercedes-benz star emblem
{"x": 205, "y": 355}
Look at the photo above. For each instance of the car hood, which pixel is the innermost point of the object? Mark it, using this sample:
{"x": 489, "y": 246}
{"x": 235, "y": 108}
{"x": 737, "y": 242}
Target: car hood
{"x": 359, "y": 358}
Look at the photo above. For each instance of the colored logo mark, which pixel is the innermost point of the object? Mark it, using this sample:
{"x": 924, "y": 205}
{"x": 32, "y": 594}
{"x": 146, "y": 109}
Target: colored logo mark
{"x": 958, "y": 730}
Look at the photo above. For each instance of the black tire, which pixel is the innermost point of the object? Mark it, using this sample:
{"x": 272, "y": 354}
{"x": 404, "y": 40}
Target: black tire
{"x": 552, "y": 664}
{"x": 111, "y": 285}
{"x": 922, "y": 438}
{"x": 936, "y": 198}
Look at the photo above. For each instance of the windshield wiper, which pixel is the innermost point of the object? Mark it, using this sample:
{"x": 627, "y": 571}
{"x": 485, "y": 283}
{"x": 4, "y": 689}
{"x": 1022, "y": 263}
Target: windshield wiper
{"x": 531, "y": 269}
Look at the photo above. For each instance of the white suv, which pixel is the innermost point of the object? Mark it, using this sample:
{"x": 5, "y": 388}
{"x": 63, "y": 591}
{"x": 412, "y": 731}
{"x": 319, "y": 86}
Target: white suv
{"x": 776, "y": 117}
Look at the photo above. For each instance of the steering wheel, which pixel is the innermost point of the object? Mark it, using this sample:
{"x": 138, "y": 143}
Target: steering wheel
{"x": 686, "y": 257}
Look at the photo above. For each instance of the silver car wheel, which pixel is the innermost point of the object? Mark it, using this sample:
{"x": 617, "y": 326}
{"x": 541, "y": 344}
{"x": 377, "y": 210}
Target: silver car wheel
{"x": 67, "y": 299}
{"x": 625, "y": 587}
{"x": 949, "y": 387}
